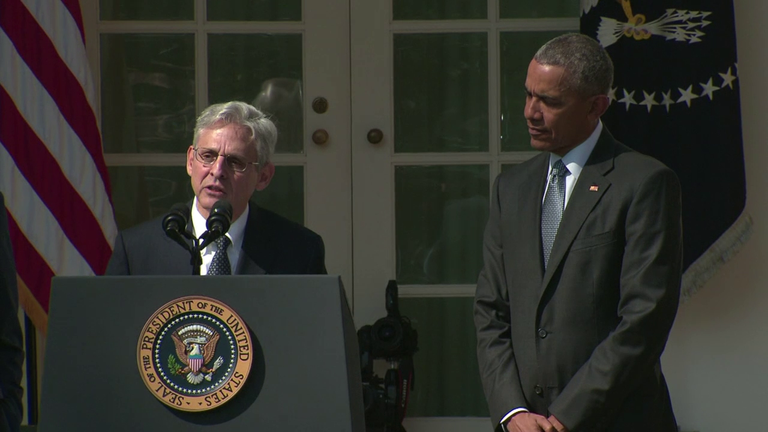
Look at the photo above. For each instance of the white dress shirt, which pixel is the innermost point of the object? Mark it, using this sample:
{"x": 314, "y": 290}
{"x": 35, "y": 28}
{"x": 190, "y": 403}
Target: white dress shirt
{"x": 574, "y": 160}
{"x": 235, "y": 234}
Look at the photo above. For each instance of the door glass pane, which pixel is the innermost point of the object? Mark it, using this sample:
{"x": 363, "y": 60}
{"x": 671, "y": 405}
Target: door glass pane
{"x": 147, "y": 92}
{"x": 254, "y": 10}
{"x": 439, "y": 9}
{"x": 147, "y": 10}
{"x": 441, "y": 92}
{"x": 142, "y": 193}
{"x": 446, "y": 375}
{"x": 440, "y": 214}
{"x": 517, "y": 50}
{"x": 264, "y": 70}
{"x": 538, "y": 9}
{"x": 285, "y": 194}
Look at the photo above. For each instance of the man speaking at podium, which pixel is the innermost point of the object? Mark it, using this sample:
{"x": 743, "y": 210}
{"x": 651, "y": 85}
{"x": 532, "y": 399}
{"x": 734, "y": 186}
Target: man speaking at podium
{"x": 229, "y": 159}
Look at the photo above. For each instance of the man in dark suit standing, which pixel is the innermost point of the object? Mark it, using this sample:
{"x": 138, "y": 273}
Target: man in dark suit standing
{"x": 582, "y": 264}
{"x": 11, "y": 351}
{"x": 230, "y": 158}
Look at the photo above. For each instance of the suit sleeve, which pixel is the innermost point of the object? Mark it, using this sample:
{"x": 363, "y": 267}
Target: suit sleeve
{"x": 118, "y": 262}
{"x": 648, "y": 298}
{"x": 495, "y": 354}
{"x": 11, "y": 351}
{"x": 317, "y": 260}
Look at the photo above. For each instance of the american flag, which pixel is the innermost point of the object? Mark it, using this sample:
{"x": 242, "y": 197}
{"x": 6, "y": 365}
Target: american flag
{"x": 52, "y": 169}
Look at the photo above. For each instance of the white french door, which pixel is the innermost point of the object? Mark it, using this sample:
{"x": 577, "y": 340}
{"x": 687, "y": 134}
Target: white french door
{"x": 442, "y": 84}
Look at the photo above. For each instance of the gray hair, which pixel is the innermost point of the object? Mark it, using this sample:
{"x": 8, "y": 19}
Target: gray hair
{"x": 263, "y": 131}
{"x": 589, "y": 69}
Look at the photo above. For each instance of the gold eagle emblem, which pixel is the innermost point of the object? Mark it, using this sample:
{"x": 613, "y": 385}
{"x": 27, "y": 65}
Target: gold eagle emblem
{"x": 195, "y": 348}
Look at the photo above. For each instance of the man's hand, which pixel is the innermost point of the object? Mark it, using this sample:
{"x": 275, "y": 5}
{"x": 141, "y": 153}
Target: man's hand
{"x": 559, "y": 427}
{"x": 529, "y": 422}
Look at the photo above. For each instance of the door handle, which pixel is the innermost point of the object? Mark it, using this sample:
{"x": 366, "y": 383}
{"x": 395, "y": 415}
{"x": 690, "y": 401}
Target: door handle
{"x": 320, "y": 136}
{"x": 375, "y": 136}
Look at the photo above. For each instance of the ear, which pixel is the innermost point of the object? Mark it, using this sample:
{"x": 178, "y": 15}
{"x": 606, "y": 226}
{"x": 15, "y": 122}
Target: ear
{"x": 599, "y": 106}
{"x": 265, "y": 176}
{"x": 190, "y": 160}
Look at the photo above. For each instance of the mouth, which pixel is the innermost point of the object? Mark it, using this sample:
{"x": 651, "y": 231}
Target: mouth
{"x": 534, "y": 131}
{"x": 215, "y": 190}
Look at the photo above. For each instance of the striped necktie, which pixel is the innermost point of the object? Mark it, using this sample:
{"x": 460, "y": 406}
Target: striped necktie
{"x": 220, "y": 263}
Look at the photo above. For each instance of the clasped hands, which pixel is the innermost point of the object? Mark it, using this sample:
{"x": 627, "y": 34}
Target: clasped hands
{"x": 530, "y": 422}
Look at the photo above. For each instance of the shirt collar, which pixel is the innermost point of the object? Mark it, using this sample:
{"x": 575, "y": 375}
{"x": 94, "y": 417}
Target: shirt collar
{"x": 235, "y": 232}
{"x": 575, "y": 159}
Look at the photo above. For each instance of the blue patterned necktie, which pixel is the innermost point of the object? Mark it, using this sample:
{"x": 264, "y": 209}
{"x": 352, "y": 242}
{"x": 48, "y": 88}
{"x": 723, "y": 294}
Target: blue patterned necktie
{"x": 552, "y": 209}
{"x": 220, "y": 263}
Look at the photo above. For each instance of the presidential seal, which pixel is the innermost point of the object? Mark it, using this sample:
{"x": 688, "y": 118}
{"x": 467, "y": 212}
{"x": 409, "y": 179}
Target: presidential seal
{"x": 194, "y": 353}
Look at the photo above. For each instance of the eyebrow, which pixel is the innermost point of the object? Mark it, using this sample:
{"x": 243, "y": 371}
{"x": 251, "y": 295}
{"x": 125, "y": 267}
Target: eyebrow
{"x": 544, "y": 97}
{"x": 220, "y": 154}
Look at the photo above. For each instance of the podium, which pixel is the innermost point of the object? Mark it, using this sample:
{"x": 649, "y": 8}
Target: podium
{"x": 305, "y": 370}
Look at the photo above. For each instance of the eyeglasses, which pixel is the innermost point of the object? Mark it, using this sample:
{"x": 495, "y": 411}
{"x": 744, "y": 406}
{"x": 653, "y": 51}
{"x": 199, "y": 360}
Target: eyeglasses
{"x": 208, "y": 157}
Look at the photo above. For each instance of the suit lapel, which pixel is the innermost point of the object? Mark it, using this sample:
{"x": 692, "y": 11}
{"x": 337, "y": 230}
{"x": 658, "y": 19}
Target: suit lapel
{"x": 586, "y": 193}
{"x": 255, "y": 251}
{"x": 529, "y": 224}
{"x": 190, "y": 228}
{"x": 176, "y": 260}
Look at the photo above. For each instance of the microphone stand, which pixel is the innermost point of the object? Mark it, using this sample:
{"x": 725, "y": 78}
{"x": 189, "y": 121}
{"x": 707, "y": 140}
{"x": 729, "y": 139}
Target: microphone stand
{"x": 196, "y": 259}
{"x": 198, "y": 245}
{"x": 218, "y": 223}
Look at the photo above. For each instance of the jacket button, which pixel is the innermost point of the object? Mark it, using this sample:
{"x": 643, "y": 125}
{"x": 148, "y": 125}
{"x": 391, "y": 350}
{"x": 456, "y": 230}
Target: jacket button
{"x": 538, "y": 390}
{"x": 542, "y": 333}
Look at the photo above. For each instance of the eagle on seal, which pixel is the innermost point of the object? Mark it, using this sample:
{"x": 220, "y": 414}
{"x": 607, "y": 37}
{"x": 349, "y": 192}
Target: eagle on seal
{"x": 196, "y": 351}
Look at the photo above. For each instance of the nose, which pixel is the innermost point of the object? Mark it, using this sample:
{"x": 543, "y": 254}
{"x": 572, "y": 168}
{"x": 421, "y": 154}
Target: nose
{"x": 219, "y": 167}
{"x": 531, "y": 110}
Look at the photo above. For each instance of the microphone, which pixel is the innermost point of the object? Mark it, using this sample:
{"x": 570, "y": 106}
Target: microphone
{"x": 175, "y": 224}
{"x": 219, "y": 220}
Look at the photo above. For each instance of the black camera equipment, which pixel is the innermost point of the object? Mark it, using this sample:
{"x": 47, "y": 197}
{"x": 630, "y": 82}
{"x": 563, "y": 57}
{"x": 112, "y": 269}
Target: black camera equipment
{"x": 393, "y": 339}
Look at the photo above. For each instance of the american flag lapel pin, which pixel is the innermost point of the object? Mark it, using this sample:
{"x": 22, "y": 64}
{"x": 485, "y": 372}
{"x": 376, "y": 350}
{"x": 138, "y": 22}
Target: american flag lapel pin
{"x": 594, "y": 188}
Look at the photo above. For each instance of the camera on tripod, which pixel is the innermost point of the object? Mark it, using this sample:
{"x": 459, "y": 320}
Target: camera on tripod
{"x": 393, "y": 339}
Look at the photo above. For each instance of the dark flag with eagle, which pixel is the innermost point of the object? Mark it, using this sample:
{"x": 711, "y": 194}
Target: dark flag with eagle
{"x": 675, "y": 97}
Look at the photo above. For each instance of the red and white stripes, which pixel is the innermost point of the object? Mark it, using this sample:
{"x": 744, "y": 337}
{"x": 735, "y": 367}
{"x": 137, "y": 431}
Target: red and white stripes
{"x": 52, "y": 169}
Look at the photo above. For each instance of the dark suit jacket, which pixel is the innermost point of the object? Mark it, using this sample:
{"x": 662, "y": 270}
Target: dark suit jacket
{"x": 11, "y": 351}
{"x": 271, "y": 245}
{"x": 582, "y": 340}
